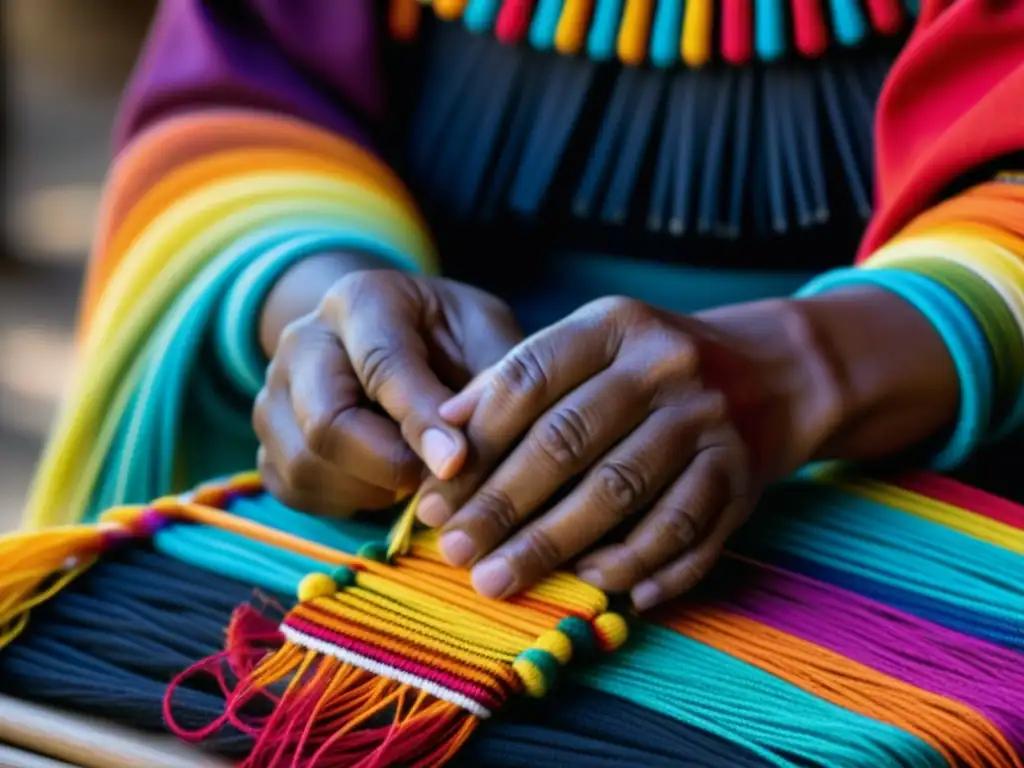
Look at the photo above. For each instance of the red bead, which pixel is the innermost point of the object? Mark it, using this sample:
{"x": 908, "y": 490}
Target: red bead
{"x": 737, "y": 31}
{"x": 513, "y": 20}
{"x": 810, "y": 30}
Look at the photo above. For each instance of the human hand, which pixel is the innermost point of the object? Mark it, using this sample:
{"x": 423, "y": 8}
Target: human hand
{"x": 348, "y": 415}
{"x": 671, "y": 425}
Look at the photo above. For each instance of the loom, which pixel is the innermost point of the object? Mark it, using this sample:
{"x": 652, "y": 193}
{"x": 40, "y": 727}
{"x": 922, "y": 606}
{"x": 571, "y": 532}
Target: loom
{"x": 882, "y": 621}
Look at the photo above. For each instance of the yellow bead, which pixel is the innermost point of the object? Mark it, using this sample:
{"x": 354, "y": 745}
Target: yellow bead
{"x": 557, "y": 644}
{"x": 316, "y": 585}
{"x": 612, "y": 631}
{"x": 533, "y": 679}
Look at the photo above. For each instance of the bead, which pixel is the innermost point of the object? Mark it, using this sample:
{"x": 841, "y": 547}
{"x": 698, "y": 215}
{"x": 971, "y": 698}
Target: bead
{"x": 150, "y": 522}
{"x": 611, "y": 630}
{"x": 580, "y": 633}
{"x": 558, "y": 644}
{"x": 316, "y": 585}
{"x": 538, "y": 671}
{"x": 343, "y": 576}
{"x": 374, "y": 550}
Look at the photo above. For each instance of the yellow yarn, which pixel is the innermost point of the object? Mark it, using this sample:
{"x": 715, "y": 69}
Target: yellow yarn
{"x": 316, "y": 585}
{"x": 612, "y": 630}
{"x": 557, "y": 644}
{"x": 534, "y": 682}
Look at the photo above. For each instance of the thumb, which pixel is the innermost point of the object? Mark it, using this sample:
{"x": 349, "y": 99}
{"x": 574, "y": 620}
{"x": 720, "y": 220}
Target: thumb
{"x": 390, "y": 358}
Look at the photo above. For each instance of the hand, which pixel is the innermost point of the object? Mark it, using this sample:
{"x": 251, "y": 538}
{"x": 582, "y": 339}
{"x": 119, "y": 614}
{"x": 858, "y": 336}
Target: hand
{"x": 379, "y": 338}
{"x": 671, "y": 425}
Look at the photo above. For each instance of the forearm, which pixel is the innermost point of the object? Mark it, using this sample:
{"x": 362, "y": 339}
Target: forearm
{"x": 302, "y": 287}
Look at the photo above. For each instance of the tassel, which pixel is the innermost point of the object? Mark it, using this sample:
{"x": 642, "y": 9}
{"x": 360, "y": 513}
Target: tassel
{"x": 394, "y": 664}
{"x": 37, "y": 565}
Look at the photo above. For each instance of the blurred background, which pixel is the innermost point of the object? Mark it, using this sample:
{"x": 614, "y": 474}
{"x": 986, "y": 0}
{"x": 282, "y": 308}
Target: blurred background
{"x": 64, "y": 64}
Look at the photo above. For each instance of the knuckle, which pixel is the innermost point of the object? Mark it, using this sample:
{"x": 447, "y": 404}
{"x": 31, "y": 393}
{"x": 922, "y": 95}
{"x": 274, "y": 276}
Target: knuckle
{"x": 379, "y": 365}
{"x": 622, "y": 485}
{"x": 540, "y": 549}
{"x": 678, "y": 526}
{"x": 522, "y": 375}
{"x": 563, "y": 437}
{"x": 496, "y": 510}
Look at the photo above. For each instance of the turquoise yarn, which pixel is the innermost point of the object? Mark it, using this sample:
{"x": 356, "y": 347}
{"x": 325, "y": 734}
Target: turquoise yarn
{"x": 703, "y": 687}
{"x": 833, "y": 528}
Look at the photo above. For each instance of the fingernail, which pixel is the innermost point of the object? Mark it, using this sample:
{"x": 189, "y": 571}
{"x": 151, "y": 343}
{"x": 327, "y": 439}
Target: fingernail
{"x": 493, "y": 578}
{"x": 645, "y": 595}
{"x": 457, "y": 548}
{"x": 449, "y": 409}
{"x": 593, "y": 577}
{"x": 438, "y": 450}
{"x": 433, "y": 510}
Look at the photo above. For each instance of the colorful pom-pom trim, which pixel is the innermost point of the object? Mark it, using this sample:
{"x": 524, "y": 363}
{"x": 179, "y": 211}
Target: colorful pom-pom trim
{"x": 667, "y": 33}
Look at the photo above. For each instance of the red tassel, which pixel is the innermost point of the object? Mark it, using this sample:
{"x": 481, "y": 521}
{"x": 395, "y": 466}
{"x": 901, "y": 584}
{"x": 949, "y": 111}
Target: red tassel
{"x": 737, "y": 31}
{"x": 809, "y": 28}
{"x": 513, "y": 21}
{"x": 887, "y": 16}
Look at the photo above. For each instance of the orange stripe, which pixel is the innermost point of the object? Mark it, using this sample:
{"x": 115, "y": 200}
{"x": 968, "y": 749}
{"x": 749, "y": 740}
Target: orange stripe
{"x": 959, "y": 733}
{"x": 175, "y": 142}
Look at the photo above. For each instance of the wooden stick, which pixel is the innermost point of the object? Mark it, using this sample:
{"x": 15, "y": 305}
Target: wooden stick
{"x": 15, "y": 758}
{"x": 90, "y": 742}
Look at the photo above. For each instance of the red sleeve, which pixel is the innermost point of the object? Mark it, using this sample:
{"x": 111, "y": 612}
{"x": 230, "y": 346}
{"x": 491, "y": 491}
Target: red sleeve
{"x": 954, "y": 101}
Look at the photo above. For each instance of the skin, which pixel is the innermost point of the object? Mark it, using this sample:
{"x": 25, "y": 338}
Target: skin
{"x": 663, "y": 429}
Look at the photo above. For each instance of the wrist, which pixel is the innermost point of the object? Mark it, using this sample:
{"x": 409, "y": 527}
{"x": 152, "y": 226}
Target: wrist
{"x": 301, "y": 288}
{"x": 896, "y": 385}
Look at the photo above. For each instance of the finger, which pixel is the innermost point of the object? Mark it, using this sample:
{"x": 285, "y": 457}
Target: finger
{"x": 514, "y": 392}
{"x": 511, "y": 395}
{"x": 391, "y": 360}
{"x": 566, "y": 440}
{"x": 325, "y": 397}
{"x": 348, "y": 495}
{"x": 673, "y": 527}
{"x": 684, "y": 574}
{"x": 621, "y": 483}
{"x": 301, "y": 478}
{"x": 458, "y": 410}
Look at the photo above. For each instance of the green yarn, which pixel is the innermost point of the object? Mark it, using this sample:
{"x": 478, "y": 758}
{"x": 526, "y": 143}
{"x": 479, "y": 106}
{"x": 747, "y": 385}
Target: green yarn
{"x": 545, "y": 662}
{"x": 584, "y": 644}
{"x": 343, "y": 576}
{"x": 374, "y": 550}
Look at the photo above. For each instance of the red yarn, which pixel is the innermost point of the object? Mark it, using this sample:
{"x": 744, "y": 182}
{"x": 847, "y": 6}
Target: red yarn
{"x": 513, "y": 20}
{"x": 737, "y": 31}
{"x": 965, "y": 497}
{"x": 810, "y": 30}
